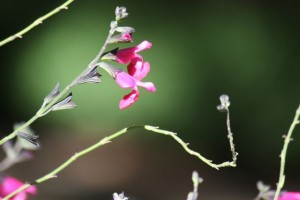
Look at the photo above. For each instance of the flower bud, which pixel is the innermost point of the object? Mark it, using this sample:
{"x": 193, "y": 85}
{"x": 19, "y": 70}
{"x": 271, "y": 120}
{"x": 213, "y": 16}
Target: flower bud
{"x": 54, "y": 93}
{"x": 91, "y": 76}
{"x": 29, "y": 137}
{"x": 225, "y": 103}
{"x": 125, "y": 29}
{"x": 123, "y": 37}
{"x": 66, "y": 103}
{"x": 121, "y": 13}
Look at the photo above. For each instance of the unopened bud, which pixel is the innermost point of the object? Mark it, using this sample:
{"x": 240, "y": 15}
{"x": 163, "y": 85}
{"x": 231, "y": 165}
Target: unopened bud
{"x": 29, "y": 137}
{"x": 91, "y": 76}
{"x": 123, "y": 37}
{"x": 54, "y": 93}
{"x": 121, "y": 13}
{"x": 66, "y": 103}
{"x": 125, "y": 29}
{"x": 225, "y": 103}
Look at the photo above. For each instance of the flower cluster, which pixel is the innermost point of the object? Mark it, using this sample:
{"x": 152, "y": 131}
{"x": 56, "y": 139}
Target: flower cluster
{"x": 137, "y": 69}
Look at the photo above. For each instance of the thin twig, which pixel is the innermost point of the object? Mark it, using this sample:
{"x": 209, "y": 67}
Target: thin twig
{"x": 53, "y": 174}
{"x": 230, "y": 138}
{"x": 287, "y": 140}
{"x": 36, "y": 23}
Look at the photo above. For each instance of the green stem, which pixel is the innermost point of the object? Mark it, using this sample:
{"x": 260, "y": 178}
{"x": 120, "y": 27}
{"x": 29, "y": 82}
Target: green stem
{"x": 283, "y": 154}
{"x": 35, "y": 23}
{"x": 13, "y": 134}
{"x": 53, "y": 174}
{"x": 35, "y": 117}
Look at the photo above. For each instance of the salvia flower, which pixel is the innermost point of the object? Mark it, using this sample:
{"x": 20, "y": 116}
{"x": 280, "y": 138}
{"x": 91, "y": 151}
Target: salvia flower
{"x": 137, "y": 70}
{"x": 126, "y": 55}
{"x": 289, "y": 196}
{"x": 10, "y": 184}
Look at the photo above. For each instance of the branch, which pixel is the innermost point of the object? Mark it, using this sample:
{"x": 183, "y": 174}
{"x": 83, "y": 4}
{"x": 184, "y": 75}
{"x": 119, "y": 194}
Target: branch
{"x": 35, "y": 23}
{"x": 287, "y": 140}
{"x": 53, "y": 174}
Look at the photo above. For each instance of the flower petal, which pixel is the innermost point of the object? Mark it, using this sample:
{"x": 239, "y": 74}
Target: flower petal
{"x": 124, "y": 80}
{"x": 143, "y": 46}
{"x": 126, "y": 55}
{"x": 129, "y": 99}
{"x": 138, "y": 69}
{"x": 147, "y": 85}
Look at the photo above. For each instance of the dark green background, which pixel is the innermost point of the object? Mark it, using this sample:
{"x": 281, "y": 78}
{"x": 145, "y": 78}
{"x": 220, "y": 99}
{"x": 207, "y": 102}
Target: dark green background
{"x": 201, "y": 49}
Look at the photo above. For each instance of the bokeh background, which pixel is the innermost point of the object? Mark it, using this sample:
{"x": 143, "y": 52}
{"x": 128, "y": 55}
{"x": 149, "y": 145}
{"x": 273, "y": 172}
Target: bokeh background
{"x": 201, "y": 49}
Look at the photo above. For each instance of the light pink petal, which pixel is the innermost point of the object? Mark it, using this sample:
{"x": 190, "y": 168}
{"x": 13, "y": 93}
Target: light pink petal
{"x": 143, "y": 46}
{"x": 147, "y": 85}
{"x": 124, "y": 80}
{"x": 290, "y": 196}
{"x": 129, "y": 99}
{"x": 125, "y": 55}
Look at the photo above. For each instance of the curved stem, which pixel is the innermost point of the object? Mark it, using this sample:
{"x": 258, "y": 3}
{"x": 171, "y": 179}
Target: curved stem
{"x": 53, "y": 174}
{"x": 35, "y": 23}
{"x": 287, "y": 140}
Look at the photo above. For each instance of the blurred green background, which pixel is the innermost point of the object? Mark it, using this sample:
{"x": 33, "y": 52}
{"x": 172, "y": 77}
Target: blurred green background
{"x": 201, "y": 49}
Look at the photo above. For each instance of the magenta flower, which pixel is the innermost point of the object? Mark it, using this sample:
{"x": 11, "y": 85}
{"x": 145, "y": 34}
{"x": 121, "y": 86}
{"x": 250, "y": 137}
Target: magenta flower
{"x": 10, "y": 184}
{"x": 137, "y": 70}
{"x": 126, "y": 55}
{"x": 289, "y": 196}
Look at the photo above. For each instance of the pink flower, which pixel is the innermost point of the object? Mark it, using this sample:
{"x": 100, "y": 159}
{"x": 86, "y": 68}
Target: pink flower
{"x": 137, "y": 70}
{"x": 126, "y": 55}
{"x": 10, "y": 184}
{"x": 289, "y": 196}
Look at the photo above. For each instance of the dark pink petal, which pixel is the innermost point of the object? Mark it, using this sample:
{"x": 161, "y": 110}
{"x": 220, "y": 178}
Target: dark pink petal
{"x": 138, "y": 69}
{"x": 126, "y": 55}
{"x": 129, "y": 99}
{"x": 124, "y": 80}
